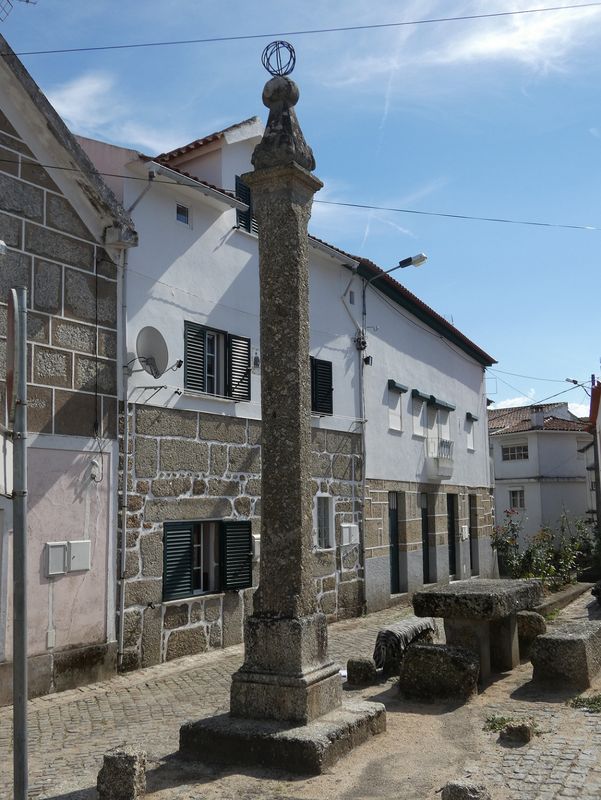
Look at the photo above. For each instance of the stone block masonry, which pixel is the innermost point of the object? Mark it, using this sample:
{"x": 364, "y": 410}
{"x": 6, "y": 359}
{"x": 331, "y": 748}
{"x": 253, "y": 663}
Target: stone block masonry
{"x": 185, "y": 465}
{"x": 52, "y": 253}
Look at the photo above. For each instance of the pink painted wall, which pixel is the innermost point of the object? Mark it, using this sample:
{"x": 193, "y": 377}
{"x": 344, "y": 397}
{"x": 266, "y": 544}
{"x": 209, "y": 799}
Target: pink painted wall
{"x": 64, "y": 504}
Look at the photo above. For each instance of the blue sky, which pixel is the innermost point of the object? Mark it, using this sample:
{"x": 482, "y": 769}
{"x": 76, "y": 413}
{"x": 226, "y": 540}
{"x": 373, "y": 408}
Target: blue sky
{"x": 497, "y": 118}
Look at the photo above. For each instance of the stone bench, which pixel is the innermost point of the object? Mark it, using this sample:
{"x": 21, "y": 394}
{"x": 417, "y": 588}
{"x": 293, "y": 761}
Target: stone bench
{"x": 393, "y": 641}
{"x": 439, "y": 672}
{"x": 569, "y": 655}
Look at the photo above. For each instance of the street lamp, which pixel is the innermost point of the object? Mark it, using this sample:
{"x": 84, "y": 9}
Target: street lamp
{"x": 410, "y": 261}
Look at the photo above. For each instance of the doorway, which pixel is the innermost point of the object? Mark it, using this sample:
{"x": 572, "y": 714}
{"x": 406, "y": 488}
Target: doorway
{"x": 423, "y": 501}
{"x": 393, "y": 529}
{"x": 474, "y": 566}
{"x": 452, "y": 532}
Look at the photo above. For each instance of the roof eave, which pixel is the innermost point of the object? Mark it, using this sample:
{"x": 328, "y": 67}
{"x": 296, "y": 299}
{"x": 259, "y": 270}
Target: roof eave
{"x": 213, "y": 195}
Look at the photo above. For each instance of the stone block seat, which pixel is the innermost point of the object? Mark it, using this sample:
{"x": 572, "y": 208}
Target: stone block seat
{"x": 481, "y": 615}
{"x": 569, "y": 655}
{"x": 392, "y": 642}
{"x": 439, "y": 672}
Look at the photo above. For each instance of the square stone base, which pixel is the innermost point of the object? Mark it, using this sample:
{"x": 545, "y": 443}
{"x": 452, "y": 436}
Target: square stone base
{"x": 306, "y": 749}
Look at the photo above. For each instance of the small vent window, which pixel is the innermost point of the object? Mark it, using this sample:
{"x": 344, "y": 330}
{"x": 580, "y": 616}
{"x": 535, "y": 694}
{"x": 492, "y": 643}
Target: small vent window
{"x": 182, "y": 214}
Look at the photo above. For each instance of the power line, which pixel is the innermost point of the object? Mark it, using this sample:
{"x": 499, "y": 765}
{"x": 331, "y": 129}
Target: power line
{"x": 503, "y": 220}
{"x": 537, "y": 402}
{"x": 343, "y": 205}
{"x": 529, "y": 377}
{"x": 279, "y": 34}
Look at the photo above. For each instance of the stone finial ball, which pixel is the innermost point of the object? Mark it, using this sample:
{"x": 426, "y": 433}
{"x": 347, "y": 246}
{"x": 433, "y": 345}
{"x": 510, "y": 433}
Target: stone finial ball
{"x": 280, "y": 90}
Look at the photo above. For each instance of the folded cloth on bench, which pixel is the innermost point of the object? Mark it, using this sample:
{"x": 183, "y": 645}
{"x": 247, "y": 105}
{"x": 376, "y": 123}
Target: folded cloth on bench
{"x": 392, "y": 642}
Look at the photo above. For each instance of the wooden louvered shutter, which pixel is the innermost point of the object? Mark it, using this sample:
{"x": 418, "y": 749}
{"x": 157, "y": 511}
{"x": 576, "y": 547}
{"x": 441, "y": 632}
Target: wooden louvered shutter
{"x": 194, "y": 357}
{"x": 321, "y": 386}
{"x": 236, "y": 554}
{"x": 245, "y": 219}
{"x": 238, "y": 367}
{"x": 177, "y": 560}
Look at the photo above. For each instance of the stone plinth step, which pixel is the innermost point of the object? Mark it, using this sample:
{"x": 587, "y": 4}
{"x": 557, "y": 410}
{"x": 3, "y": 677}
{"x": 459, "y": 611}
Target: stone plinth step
{"x": 306, "y": 749}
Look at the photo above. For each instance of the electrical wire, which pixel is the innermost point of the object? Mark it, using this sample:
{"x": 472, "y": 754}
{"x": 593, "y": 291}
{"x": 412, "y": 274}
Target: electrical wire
{"x": 309, "y": 32}
{"x": 505, "y": 221}
{"x": 341, "y": 204}
{"x": 537, "y": 402}
{"x": 528, "y": 377}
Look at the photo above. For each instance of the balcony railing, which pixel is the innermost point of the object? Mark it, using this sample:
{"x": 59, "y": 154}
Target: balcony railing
{"x": 439, "y": 457}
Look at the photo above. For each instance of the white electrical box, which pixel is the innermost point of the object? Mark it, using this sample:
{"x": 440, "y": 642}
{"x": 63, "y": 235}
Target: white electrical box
{"x": 256, "y": 543}
{"x": 465, "y": 532}
{"x": 56, "y": 558}
{"x": 350, "y": 533}
{"x": 78, "y": 555}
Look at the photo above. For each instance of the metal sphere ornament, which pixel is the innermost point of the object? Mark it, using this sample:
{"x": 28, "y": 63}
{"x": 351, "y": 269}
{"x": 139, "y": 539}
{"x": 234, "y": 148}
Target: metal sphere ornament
{"x": 279, "y": 58}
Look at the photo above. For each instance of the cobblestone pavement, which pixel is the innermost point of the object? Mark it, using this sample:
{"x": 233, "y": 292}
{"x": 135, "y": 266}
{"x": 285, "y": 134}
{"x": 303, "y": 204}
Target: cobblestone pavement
{"x": 69, "y": 733}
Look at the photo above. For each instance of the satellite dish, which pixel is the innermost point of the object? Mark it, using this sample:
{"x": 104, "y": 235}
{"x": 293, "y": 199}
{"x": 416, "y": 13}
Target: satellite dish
{"x": 152, "y": 352}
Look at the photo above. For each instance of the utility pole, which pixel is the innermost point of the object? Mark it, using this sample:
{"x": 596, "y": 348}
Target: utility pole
{"x": 595, "y": 432}
{"x": 16, "y": 395}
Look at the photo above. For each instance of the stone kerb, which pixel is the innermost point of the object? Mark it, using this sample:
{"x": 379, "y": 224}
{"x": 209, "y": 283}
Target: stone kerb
{"x": 190, "y": 465}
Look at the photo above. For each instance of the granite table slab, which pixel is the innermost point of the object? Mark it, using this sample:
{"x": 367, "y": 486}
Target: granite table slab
{"x": 481, "y": 614}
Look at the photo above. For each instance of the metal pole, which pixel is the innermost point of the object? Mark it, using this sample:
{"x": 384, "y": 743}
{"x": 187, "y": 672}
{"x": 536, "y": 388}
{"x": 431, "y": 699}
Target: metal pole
{"x": 20, "y": 553}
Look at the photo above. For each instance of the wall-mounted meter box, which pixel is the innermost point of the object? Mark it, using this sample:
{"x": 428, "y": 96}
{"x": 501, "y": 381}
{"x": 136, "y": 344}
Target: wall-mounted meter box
{"x": 79, "y": 555}
{"x": 465, "y": 532}
{"x": 350, "y": 533}
{"x": 56, "y": 558}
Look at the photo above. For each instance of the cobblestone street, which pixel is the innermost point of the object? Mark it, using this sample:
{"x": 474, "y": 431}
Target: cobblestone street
{"x": 424, "y": 746}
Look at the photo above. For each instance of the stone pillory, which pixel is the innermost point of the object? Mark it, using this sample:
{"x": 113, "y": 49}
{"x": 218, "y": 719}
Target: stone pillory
{"x": 287, "y": 678}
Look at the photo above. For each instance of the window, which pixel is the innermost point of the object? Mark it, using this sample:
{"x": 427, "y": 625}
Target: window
{"x": 515, "y": 452}
{"x": 245, "y": 219}
{"x": 395, "y": 411}
{"x": 216, "y": 362}
{"x": 420, "y": 416}
{"x": 470, "y": 421}
{"x": 323, "y": 522}
{"x": 204, "y": 557}
{"x": 516, "y": 498}
{"x": 321, "y": 386}
{"x": 182, "y": 214}
{"x": 469, "y": 430}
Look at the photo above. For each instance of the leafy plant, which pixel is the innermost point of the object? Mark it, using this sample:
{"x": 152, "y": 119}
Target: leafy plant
{"x": 554, "y": 566}
{"x": 591, "y": 703}
{"x": 496, "y": 723}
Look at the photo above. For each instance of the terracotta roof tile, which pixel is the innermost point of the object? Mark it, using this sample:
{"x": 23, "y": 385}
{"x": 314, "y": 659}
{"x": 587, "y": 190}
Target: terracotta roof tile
{"x": 519, "y": 420}
{"x": 198, "y": 143}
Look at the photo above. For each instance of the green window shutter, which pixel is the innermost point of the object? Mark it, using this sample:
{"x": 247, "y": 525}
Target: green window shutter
{"x": 321, "y": 386}
{"x": 238, "y": 367}
{"x": 177, "y": 560}
{"x": 243, "y": 218}
{"x": 236, "y": 554}
{"x": 194, "y": 356}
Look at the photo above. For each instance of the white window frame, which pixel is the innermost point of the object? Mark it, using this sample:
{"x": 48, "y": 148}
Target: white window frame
{"x": 323, "y": 496}
{"x": 515, "y": 452}
{"x": 517, "y": 490}
{"x": 206, "y": 530}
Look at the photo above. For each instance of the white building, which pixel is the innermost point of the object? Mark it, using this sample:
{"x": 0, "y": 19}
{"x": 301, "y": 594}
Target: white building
{"x": 541, "y": 456}
{"x": 399, "y": 420}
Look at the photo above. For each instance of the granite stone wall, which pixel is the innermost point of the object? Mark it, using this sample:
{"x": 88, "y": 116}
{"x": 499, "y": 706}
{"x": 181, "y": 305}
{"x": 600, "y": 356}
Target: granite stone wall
{"x": 71, "y": 353}
{"x": 72, "y": 285}
{"x": 473, "y": 552}
{"x": 184, "y": 465}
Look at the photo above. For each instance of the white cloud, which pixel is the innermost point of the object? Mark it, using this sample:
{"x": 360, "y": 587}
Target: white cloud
{"x": 580, "y": 409}
{"x": 86, "y": 102}
{"x": 90, "y": 105}
{"x": 515, "y": 402}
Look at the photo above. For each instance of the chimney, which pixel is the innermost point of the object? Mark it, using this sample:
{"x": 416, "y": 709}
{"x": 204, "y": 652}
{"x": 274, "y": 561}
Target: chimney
{"x": 537, "y": 417}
